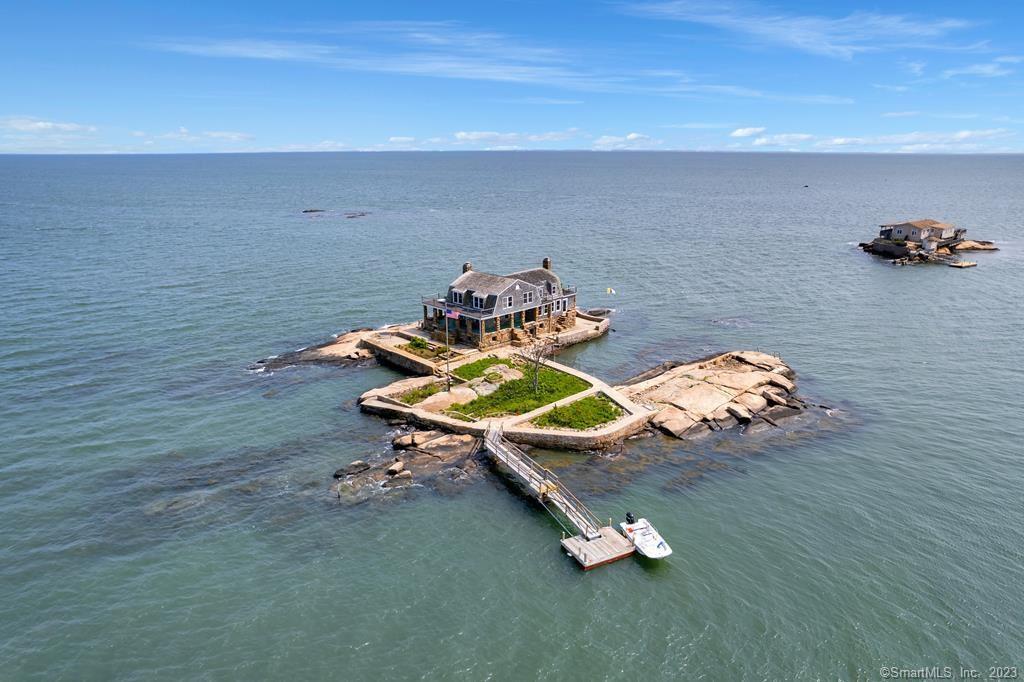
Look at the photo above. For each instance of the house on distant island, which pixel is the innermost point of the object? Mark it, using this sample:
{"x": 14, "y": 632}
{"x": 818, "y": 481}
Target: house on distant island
{"x": 924, "y": 241}
{"x": 485, "y": 310}
{"x": 931, "y": 234}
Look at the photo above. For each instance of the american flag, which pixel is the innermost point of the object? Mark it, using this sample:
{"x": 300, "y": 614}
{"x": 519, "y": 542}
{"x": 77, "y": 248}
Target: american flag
{"x": 454, "y": 314}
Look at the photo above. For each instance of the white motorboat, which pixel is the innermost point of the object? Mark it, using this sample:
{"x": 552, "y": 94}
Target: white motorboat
{"x": 645, "y": 538}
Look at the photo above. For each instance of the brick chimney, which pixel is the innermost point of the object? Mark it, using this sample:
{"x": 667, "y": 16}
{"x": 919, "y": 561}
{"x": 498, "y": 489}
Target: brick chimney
{"x": 467, "y": 266}
{"x": 546, "y": 263}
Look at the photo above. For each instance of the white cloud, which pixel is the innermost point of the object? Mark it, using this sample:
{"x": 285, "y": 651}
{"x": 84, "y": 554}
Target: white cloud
{"x": 183, "y": 134}
{"x": 508, "y": 139}
{"x": 901, "y": 114}
{"x": 1010, "y": 59}
{"x": 401, "y": 139}
{"x": 989, "y": 70}
{"x": 890, "y": 88}
{"x": 782, "y": 140}
{"x": 227, "y": 135}
{"x": 249, "y": 49}
{"x": 841, "y": 37}
{"x": 34, "y": 125}
{"x": 453, "y": 50}
{"x": 698, "y": 126}
{"x": 915, "y": 68}
{"x": 746, "y": 132}
{"x": 945, "y": 139}
{"x": 628, "y": 141}
{"x": 542, "y": 100}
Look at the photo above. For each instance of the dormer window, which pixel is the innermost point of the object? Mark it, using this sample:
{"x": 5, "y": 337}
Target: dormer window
{"x": 509, "y": 301}
{"x": 457, "y": 297}
{"x": 478, "y": 301}
{"x": 527, "y": 297}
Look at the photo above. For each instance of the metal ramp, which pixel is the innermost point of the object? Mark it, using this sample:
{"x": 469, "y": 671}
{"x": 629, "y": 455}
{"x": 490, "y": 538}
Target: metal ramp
{"x": 595, "y": 544}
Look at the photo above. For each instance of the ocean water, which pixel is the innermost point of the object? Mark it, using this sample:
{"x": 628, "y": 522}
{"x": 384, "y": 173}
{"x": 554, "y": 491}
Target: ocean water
{"x": 164, "y": 511}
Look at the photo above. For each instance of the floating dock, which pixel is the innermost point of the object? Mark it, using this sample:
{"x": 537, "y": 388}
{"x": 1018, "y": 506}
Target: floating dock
{"x": 595, "y": 544}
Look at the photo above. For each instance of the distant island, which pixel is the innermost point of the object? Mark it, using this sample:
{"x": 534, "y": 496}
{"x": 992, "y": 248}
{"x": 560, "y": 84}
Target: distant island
{"x": 924, "y": 241}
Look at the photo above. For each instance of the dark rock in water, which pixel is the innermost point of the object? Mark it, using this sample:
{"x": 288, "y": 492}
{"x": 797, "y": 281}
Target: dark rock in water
{"x": 726, "y": 422}
{"x": 599, "y": 312}
{"x": 357, "y": 214}
{"x": 355, "y": 467}
{"x": 312, "y": 210}
{"x": 401, "y": 478}
{"x": 441, "y": 461}
{"x": 778, "y": 412}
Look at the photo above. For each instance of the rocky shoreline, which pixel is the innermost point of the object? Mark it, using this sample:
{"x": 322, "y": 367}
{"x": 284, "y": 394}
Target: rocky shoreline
{"x": 750, "y": 393}
{"x": 345, "y": 349}
{"x": 909, "y": 253}
{"x": 439, "y": 460}
{"x": 741, "y": 388}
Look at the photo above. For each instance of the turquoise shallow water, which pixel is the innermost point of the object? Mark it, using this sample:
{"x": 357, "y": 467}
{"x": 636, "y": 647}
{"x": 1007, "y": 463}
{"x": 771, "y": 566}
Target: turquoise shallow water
{"x": 164, "y": 512}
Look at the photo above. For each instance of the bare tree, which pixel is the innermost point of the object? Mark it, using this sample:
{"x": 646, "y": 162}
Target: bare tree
{"x": 537, "y": 356}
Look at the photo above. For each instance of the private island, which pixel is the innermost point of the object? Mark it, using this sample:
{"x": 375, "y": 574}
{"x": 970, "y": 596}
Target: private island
{"x": 485, "y": 381}
{"x": 924, "y": 241}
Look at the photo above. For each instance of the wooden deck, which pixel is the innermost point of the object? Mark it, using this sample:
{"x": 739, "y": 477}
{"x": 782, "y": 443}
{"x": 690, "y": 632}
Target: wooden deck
{"x": 611, "y": 546}
{"x": 596, "y": 544}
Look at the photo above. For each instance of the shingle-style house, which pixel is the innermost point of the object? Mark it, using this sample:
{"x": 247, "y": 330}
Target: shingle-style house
{"x": 920, "y": 230}
{"x": 497, "y": 309}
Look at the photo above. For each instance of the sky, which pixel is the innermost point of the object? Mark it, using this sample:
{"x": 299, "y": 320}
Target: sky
{"x": 158, "y": 77}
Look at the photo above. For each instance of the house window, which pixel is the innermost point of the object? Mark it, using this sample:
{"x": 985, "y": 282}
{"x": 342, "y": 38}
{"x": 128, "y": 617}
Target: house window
{"x": 509, "y": 301}
{"x": 457, "y": 297}
{"x": 544, "y": 310}
{"x": 478, "y": 301}
{"x": 527, "y": 297}
{"x": 558, "y": 305}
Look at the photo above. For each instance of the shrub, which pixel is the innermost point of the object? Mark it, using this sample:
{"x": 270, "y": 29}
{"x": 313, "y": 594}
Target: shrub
{"x": 418, "y": 343}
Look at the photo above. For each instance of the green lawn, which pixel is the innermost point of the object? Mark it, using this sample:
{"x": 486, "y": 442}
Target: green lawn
{"x": 582, "y": 414}
{"x": 478, "y": 368}
{"x": 518, "y": 397}
{"x": 415, "y": 395}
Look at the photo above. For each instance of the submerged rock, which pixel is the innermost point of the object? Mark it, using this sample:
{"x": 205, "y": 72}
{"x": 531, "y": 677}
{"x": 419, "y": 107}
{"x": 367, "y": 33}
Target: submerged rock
{"x": 431, "y": 458}
{"x": 353, "y": 468}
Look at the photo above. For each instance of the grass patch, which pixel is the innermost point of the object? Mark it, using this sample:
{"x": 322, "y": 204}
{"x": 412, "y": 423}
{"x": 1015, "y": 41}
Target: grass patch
{"x": 582, "y": 414}
{"x": 477, "y": 368}
{"x": 518, "y": 397}
{"x": 418, "y": 346}
{"x": 415, "y": 395}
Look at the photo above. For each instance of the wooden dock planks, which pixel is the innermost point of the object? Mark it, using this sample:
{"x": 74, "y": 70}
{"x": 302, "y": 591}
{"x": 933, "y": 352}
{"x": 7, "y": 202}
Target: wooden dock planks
{"x": 611, "y": 546}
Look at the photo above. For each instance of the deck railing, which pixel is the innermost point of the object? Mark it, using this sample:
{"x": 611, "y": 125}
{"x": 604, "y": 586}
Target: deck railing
{"x": 440, "y": 300}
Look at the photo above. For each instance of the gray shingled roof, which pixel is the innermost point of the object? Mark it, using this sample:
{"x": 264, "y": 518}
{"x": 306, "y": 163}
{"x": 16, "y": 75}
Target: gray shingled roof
{"x": 539, "y": 277}
{"x": 482, "y": 283}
